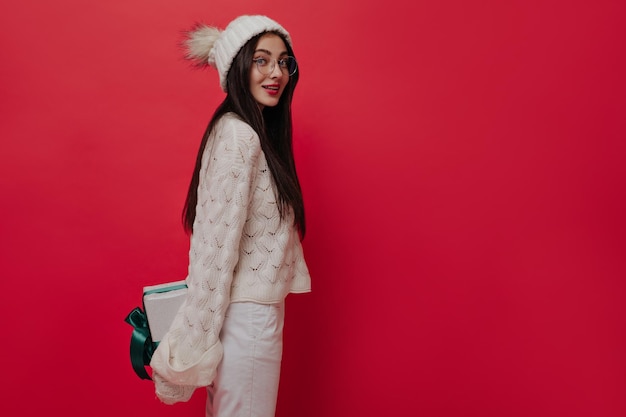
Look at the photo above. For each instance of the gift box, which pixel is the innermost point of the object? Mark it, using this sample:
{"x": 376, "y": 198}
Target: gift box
{"x": 161, "y": 303}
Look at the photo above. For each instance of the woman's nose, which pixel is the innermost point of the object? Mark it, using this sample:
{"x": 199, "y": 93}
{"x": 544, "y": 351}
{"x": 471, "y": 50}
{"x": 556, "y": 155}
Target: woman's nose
{"x": 276, "y": 71}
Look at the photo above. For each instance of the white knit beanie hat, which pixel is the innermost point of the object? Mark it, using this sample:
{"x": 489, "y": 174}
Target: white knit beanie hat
{"x": 208, "y": 45}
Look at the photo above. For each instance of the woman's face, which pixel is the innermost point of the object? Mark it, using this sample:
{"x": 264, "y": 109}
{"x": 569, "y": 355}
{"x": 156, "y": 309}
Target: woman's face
{"x": 267, "y": 79}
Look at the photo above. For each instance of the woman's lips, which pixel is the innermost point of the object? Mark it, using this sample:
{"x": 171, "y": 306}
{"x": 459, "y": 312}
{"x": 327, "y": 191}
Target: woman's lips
{"x": 272, "y": 89}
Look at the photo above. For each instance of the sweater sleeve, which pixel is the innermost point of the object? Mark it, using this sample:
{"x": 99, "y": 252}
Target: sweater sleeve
{"x": 190, "y": 352}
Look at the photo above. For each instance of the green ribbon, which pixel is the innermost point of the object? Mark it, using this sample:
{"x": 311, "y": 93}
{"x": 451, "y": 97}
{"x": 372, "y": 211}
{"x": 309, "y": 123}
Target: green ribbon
{"x": 165, "y": 289}
{"x": 141, "y": 345}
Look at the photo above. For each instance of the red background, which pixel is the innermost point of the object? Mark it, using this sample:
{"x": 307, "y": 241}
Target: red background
{"x": 464, "y": 177}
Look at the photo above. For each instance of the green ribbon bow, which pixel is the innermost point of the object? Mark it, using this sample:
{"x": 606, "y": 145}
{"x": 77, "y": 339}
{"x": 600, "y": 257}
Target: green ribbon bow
{"x": 141, "y": 345}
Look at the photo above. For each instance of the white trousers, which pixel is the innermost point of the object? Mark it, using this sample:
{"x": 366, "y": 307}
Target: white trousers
{"x": 247, "y": 379}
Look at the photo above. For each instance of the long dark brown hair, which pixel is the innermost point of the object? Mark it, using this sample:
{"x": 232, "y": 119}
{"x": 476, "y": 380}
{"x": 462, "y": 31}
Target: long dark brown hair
{"x": 272, "y": 125}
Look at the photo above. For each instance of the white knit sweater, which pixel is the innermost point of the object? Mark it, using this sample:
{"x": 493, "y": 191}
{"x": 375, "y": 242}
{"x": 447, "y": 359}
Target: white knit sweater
{"x": 240, "y": 250}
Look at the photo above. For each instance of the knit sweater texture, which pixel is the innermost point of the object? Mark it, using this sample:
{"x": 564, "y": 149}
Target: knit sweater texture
{"x": 240, "y": 250}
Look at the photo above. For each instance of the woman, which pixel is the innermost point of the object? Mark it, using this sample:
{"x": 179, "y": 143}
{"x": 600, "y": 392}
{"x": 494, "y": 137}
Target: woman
{"x": 245, "y": 212}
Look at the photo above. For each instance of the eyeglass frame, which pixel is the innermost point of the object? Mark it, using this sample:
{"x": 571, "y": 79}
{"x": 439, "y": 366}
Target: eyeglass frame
{"x": 273, "y": 62}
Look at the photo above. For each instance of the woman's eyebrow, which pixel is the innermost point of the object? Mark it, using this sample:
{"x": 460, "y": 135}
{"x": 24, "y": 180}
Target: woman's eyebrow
{"x": 269, "y": 53}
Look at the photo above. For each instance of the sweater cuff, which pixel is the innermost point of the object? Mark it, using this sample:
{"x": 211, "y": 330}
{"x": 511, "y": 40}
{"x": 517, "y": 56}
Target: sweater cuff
{"x": 199, "y": 373}
{"x": 169, "y": 393}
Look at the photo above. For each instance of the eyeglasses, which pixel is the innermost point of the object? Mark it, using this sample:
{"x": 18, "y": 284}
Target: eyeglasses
{"x": 266, "y": 65}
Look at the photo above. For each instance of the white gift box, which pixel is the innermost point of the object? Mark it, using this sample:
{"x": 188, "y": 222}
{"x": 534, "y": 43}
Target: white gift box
{"x": 161, "y": 303}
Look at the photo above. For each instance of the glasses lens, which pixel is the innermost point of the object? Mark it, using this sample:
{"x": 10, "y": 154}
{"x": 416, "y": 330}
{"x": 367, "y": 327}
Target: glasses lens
{"x": 292, "y": 65}
{"x": 263, "y": 64}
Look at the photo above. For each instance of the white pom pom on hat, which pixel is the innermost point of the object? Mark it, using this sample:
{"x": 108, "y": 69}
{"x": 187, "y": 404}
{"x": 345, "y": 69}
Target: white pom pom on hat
{"x": 211, "y": 46}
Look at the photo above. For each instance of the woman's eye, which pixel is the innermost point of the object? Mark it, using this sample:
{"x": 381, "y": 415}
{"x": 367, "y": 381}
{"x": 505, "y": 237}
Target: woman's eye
{"x": 261, "y": 61}
{"x": 283, "y": 63}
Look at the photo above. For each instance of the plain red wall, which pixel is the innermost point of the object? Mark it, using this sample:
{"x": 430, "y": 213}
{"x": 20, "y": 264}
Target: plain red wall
{"x": 464, "y": 176}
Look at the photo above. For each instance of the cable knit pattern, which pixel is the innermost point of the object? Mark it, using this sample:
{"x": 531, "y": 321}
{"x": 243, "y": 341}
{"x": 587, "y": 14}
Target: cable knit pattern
{"x": 240, "y": 250}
